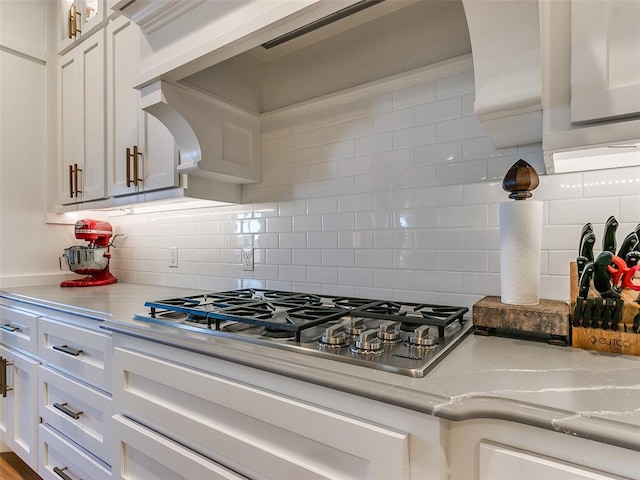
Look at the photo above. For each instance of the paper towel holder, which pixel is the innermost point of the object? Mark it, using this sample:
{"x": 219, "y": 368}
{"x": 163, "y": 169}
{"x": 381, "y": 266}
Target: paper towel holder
{"x": 520, "y": 180}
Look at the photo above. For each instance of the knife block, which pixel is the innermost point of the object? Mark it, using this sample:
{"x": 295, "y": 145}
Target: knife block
{"x": 549, "y": 320}
{"x": 621, "y": 340}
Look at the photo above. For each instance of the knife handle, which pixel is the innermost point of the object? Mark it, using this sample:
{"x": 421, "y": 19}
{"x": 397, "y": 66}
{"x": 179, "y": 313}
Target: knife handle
{"x": 581, "y": 262}
{"x": 588, "y": 313}
{"x": 609, "y": 239}
{"x": 632, "y": 259}
{"x": 601, "y": 275}
{"x": 617, "y": 314}
{"x": 577, "y": 311}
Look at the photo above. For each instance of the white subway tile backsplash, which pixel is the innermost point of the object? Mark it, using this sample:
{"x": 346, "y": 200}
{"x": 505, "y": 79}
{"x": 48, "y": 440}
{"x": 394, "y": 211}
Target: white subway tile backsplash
{"x": 464, "y": 216}
{"x": 619, "y": 182}
{"x": 414, "y": 95}
{"x": 456, "y": 85}
{"x": 320, "y": 136}
{"x": 415, "y": 136}
{"x": 373, "y": 144}
{"x": 392, "y": 191}
{"x": 415, "y": 259}
{"x": 307, "y": 256}
{"x": 338, "y": 258}
{"x": 458, "y": 129}
{"x": 594, "y": 210}
{"x": 439, "y": 153}
{"x": 415, "y": 177}
{"x": 386, "y": 161}
{"x": 438, "y": 111}
{"x": 396, "y": 279}
{"x": 322, "y": 239}
{"x": 394, "y": 120}
{"x": 360, "y": 127}
{"x": 360, "y": 277}
{"x": 338, "y": 222}
{"x": 630, "y": 209}
{"x": 374, "y": 258}
{"x": 292, "y": 240}
{"x": 461, "y": 173}
{"x": 369, "y": 107}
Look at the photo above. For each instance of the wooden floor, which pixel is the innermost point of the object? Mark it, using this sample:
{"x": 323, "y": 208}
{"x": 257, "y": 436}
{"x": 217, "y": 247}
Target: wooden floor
{"x": 13, "y": 468}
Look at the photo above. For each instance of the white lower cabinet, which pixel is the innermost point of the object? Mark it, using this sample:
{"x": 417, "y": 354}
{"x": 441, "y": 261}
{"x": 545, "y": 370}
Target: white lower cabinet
{"x": 486, "y": 449}
{"x": 147, "y": 455}
{"x": 62, "y": 459}
{"x": 81, "y": 352}
{"x": 206, "y": 419}
{"x": 18, "y": 405}
{"x": 502, "y": 462}
{"x": 76, "y": 410}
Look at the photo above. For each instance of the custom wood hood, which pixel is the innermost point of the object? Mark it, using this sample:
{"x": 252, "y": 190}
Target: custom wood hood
{"x": 222, "y": 57}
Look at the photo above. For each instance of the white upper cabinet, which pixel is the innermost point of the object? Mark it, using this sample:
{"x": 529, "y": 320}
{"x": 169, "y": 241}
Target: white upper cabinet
{"x": 605, "y": 60}
{"x": 142, "y": 155}
{"x": 81, "y": 122}
{"x": 590, "y": 75}
{"x": 77, "y": 19}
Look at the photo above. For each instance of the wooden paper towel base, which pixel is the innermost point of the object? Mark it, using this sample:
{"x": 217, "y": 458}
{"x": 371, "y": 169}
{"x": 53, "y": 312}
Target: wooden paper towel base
{"x": 549, "y": 318}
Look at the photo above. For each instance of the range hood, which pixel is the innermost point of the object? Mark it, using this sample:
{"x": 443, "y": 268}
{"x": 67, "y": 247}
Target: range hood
{"x": 210, "y": 86}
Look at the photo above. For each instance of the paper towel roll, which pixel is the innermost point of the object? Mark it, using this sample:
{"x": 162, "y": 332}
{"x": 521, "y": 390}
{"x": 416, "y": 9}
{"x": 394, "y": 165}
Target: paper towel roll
{"x": 520, "y": 243}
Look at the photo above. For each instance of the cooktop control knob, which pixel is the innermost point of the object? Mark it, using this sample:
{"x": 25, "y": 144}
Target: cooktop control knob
{"x": 354, "y": 326}
{"x": 368, "y": 342}
{"x": 334, "y": 336}
{"x": 422, "y": 338}
{"x": 389, "y": 331}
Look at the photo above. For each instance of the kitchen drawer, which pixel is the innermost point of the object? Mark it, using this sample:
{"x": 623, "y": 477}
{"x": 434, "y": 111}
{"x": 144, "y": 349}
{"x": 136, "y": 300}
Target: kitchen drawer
{"x": 146, "y": 455}
{"x": 18, "y": 329}
{"x": 82, "y": 353}
{"x": 252, "y": 431}
{"x": 77, "y": 410}
{"x": 58, "y": 453}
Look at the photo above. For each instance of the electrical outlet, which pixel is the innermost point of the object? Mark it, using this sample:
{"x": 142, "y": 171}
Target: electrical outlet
{"x": 173, "y": 257}
{"x": 247, "y": 258}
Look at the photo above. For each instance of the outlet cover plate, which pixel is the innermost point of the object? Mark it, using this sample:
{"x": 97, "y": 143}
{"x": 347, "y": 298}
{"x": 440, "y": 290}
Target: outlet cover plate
{"x": 247, "y": 259}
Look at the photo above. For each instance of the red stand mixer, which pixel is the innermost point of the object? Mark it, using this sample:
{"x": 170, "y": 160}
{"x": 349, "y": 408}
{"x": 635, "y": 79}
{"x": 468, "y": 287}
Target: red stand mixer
{"x": 91, "y": 260}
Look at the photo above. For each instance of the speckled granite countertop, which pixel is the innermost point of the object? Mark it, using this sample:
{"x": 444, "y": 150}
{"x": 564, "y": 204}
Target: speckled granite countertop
{"x": 578, "y": 392}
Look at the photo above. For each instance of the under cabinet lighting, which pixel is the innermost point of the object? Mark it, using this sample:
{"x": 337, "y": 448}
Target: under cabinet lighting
{"x": 611, "y": 156}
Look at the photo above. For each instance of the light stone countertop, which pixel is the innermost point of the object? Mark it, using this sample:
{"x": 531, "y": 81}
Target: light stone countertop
{"x": 583, "y": 393}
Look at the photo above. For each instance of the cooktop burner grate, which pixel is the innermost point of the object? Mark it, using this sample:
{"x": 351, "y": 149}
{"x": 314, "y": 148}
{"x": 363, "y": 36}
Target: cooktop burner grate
{"x": 386, "y": 335}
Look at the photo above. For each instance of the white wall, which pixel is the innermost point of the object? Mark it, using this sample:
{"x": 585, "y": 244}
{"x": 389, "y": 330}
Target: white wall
{"x": 29, "y": 248}
{"x": 390, "y": 191}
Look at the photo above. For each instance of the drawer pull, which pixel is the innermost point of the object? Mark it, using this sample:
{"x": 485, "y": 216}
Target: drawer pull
{"x": 67, "y": 349}
{"x": 68, "y": 411}
{"x": 4, "y": 388}
{"x": 60, "y": 472}
{"x": 8, "y": 328}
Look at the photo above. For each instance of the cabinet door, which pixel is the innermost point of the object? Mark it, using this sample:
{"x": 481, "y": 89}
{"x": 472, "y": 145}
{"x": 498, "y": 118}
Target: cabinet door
{"x": 251, "y": 431}
{"x": 146, "y": 455}
{"x": 82, "y": 114}
{"x": 129, "y": 126}
{"x": 18, "y": 404}
{"x": 499, "y": 462}
{"x": 82, "y": 353}
{"x": 76, "y": 410}
{"x": 605, "y": 71}
{"x": 18, "y": 329}
{"x": 59, "y": 456}
{"x": 77, "y": 19}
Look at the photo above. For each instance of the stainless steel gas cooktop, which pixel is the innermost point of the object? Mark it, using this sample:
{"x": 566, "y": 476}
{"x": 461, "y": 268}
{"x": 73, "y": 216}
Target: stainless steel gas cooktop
{"x": 399, "y": 337}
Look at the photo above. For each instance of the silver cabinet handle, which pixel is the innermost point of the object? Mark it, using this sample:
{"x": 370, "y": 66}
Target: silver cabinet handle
{"x": 67, "y": 349}
{"x": 8, "y": 328}
{"x": 60, "y": 472}
{"x": 75, "y": 414}
{"x": 4, "y": 388}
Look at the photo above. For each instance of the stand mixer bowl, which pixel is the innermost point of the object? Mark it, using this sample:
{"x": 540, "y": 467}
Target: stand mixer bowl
{"x": 86, "y": 260}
